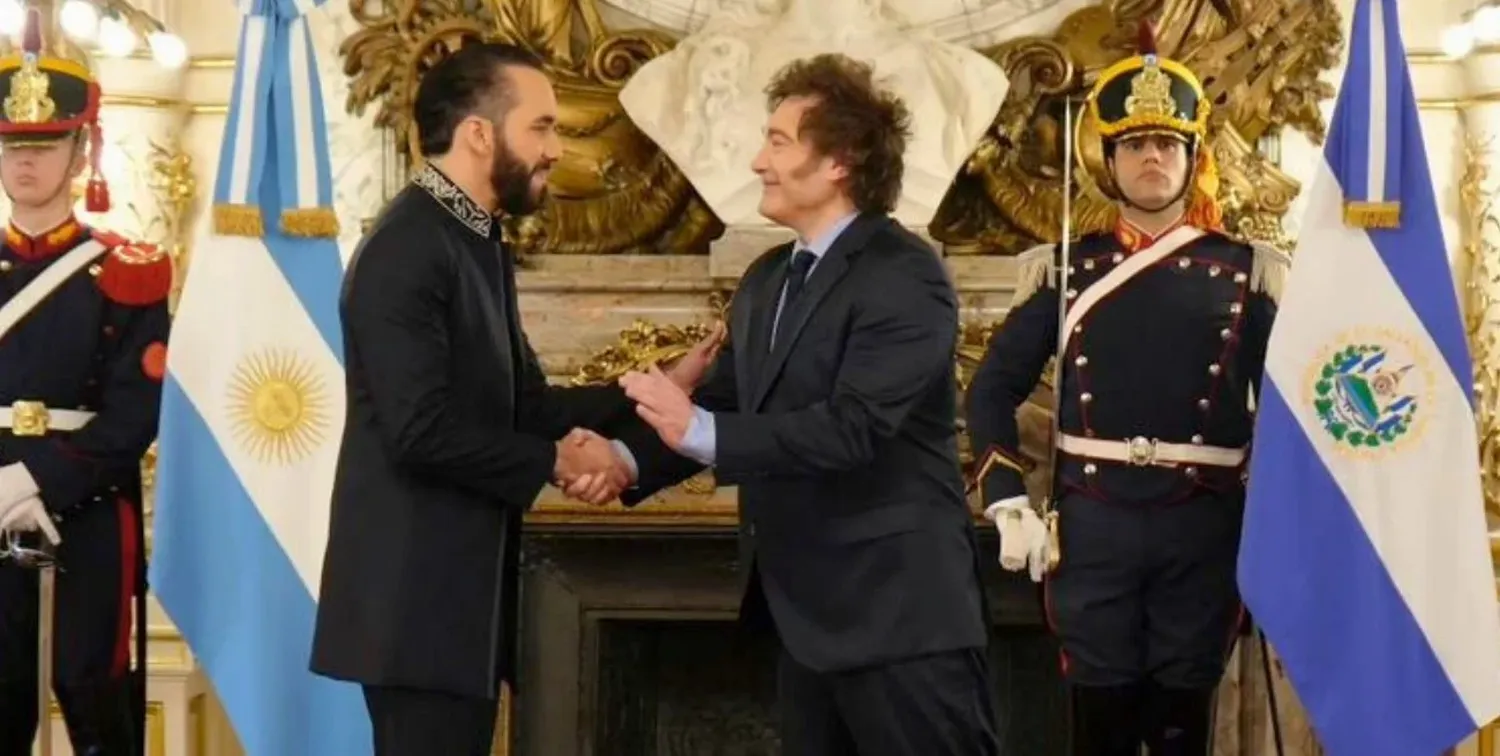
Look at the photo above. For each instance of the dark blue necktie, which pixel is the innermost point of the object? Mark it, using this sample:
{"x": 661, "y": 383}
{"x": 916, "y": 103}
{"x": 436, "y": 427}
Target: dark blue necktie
{"x": 796, "y": 277}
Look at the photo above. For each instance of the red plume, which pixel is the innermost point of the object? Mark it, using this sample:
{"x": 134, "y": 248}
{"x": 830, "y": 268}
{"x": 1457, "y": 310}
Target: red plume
{"x": 1146, "y": 38}
{"x": 31, "y": 42}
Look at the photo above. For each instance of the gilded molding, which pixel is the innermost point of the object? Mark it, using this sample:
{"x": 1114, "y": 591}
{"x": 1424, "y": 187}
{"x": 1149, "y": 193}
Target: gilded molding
{"x": 615, "y": 192}
{"x": 1479, "y": 275}
{"x": 164, "y": 103}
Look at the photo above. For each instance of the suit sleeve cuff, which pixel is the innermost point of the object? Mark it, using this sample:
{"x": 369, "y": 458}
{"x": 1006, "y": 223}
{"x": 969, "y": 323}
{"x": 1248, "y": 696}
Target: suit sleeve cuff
{"x": 628, "y": 458}
{"x": 700, "y": 442}
{"x": 1001, "y": 475}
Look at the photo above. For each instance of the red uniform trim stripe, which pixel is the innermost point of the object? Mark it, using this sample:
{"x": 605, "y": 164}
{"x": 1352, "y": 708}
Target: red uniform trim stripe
{"x": 129, "y": 557}
{"x": 1051, "y": 620}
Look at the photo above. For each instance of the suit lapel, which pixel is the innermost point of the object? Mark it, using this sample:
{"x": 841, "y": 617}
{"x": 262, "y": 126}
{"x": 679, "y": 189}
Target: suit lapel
{"x": 824, "y": 277}
{"x": 752, "y": 314}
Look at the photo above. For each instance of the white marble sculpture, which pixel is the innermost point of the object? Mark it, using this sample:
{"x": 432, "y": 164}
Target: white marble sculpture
{"x": 704, "y": 101}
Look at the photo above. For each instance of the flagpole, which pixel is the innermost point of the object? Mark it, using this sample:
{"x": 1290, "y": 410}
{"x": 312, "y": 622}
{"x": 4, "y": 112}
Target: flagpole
{"x": 1265, "y": 665}
{"x": 1049, "y": 504}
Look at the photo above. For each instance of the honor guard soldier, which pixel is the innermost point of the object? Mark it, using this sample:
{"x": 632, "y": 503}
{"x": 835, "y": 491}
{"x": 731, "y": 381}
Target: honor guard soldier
{"x": 1163, "y": 322}
{"x": 83, "y": 324}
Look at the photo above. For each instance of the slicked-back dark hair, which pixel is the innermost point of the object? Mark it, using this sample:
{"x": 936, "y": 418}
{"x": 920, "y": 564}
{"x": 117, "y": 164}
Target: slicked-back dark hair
{"x": 469, "y": 81}
{"x": 855, "y": 121}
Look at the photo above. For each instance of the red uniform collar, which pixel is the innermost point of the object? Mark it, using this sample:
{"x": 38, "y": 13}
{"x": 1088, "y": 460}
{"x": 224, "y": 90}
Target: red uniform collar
{"x": 55, "y": 241}
{"x": 1134, "y": 239}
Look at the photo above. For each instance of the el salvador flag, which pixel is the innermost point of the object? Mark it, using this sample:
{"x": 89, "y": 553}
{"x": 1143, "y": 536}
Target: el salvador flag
{"x": 1365, "y": 557}
{"x": 253, "y": 408}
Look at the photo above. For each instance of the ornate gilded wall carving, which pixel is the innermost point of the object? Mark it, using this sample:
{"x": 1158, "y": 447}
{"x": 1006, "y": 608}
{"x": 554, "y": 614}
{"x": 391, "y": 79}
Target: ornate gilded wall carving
{"x": 1260, "y": 60}
{"x": 614, "y": 192}
{"x": 1478, "y": 267}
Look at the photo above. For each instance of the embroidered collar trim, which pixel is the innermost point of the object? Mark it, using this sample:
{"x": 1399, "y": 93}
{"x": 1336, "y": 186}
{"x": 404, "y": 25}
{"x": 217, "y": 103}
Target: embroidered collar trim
{"x": 454, "y": 200}
{"x": 50, "y": 243}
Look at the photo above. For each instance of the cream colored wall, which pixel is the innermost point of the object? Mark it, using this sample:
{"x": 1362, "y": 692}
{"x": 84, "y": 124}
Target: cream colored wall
{"x": 1441, "y": 86}
{"x": 187, "y": 111}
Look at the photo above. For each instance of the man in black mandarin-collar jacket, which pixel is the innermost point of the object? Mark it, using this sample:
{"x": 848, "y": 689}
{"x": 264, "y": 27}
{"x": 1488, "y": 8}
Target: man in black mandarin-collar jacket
{"x": 452, "y": 430}
{"x": 833, "y": 409}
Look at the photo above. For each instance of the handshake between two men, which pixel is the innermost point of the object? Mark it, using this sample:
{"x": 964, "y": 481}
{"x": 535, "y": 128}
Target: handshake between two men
{"x": 593, "y": 469}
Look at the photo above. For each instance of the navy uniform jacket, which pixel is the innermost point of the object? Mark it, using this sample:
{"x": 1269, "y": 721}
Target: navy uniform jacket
{"x": 97, "y": 344}
{"x": 1173, "y": 354}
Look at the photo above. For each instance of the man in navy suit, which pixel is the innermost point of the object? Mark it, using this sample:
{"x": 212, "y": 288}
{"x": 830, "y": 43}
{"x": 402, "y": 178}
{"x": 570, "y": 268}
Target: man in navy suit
{"x": 833, "y": 408}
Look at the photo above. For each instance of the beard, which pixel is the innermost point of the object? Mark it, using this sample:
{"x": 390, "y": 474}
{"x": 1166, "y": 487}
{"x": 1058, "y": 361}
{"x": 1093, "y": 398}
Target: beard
{"x": 510, "y": 177}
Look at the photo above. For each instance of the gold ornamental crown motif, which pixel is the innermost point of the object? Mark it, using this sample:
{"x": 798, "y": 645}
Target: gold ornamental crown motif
{"x": 1151, "y": 92}
{"x": 29, "y": 100}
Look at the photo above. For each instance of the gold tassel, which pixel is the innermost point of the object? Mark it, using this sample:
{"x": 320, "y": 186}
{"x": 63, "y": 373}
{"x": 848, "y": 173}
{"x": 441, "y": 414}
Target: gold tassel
{"x": 1373, "y": 214}
{"x": 1268, "y": 270}
{"x": 310, "y": 222}
{"x": 1034, "y": 270}
{"x": 238, "y": 220}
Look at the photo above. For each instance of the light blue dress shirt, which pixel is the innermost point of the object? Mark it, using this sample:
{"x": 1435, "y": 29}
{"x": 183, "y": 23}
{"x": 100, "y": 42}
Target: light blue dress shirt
{"x": 700, "y": 441}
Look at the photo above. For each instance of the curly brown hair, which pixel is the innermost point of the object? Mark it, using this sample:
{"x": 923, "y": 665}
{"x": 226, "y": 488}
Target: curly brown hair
{"x": 852, "y": 119}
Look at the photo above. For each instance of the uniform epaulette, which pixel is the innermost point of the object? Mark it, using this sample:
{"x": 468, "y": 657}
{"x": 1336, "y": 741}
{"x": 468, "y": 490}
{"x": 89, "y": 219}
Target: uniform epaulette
{"x": 133, "y": 274}
{"x": 1268, "y": 270}
{"x": 1035, "y": 268}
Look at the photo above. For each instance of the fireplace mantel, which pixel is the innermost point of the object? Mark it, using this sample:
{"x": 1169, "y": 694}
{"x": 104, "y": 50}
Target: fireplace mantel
{"x": 630, "y": 646}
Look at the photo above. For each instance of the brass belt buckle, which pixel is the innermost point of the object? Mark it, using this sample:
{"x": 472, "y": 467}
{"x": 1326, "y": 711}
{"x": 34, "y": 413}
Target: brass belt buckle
{"x": 1142, "y": 451}
{"x": 29, "y": 419}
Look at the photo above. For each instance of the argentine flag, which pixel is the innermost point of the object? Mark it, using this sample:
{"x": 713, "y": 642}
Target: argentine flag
{"x": 253, "y": 408}
{"x": 1365, "y": 557}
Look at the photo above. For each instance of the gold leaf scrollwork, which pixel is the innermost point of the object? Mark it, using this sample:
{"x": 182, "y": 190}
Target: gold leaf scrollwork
{"x": 644, "y": 344}
{"x": 618, "y": 56}
{"x": 613, "y": 191}
{"x": 1260, "y": 62}
{"x": 1479, "y": 268}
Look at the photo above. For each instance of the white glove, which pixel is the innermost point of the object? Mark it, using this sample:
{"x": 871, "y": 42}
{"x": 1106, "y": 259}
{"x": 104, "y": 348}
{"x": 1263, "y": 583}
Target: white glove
{"x": 1038, "y": 545}
{"x": 1009, "y": 517}
{"x": 16, "y": 485}
{"x": 1023, "y": 536}
{"x": 29, "y": 515}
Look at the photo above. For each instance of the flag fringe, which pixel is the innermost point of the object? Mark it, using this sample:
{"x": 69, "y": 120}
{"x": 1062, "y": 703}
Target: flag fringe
{"x": 238, "y": 220}
{"x": 1034, "y": 270}
{"x": 310, "y": 222}
{"x": 1268, "y": 270}
{"x": 1373, "y": 214}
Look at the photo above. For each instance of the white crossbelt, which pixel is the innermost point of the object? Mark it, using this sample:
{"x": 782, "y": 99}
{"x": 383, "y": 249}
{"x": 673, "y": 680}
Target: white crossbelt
{"x": 1142, "y": 451}
{"x": 26, "y": 420}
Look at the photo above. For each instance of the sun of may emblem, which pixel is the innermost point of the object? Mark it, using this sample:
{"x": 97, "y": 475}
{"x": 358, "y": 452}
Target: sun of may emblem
{"x": 279, "y": 406}
{"x": 1370, "y": 392}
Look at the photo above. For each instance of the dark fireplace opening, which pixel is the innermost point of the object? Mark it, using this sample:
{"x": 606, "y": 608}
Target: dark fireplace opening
{"x": 685, "y": 688}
